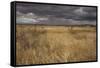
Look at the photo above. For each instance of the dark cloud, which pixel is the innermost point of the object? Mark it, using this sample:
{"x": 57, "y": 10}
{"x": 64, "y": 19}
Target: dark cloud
{"x": 58, "y": 13}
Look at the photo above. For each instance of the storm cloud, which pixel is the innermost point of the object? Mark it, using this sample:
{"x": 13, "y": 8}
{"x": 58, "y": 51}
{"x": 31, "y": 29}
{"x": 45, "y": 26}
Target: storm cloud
{"x": 55, "y": 14}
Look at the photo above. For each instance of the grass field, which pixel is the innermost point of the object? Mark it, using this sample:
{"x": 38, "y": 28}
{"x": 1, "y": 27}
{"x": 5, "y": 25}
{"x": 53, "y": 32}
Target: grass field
{"x": 54, "y": 44}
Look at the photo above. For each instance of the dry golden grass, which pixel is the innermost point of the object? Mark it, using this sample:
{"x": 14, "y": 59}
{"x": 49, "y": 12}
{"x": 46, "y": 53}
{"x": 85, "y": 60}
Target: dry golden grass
{"x": 54, "y": 44}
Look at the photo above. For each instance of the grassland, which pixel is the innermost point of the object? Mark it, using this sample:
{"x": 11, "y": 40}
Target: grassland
{"x": 54, "y": 44}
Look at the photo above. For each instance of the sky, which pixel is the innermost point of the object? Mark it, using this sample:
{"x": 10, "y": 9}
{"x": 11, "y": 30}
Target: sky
{"x": 55, "y": 14}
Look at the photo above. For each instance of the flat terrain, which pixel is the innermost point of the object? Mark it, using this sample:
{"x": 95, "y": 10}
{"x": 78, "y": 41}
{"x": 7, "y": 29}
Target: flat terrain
{"x": 54, "y": 44}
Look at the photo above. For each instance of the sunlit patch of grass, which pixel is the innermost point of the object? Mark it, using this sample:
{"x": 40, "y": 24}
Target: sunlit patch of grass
{"x": 54, "y": 44}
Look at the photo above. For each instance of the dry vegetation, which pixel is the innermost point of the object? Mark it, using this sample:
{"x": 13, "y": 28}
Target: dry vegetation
{"x": 54, "y": 44}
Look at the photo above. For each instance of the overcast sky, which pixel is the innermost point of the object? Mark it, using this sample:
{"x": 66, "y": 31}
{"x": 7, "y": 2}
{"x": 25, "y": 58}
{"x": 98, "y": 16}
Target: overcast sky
{"x": 54, "y": 14}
